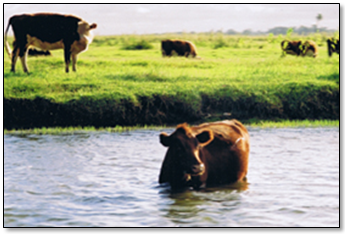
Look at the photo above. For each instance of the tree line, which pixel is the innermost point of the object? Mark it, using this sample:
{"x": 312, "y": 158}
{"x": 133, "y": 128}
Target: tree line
{"x": 302, "y": 30}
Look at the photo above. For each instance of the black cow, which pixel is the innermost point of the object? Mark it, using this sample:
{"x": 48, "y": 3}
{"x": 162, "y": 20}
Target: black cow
{"x": 333, "y": 46}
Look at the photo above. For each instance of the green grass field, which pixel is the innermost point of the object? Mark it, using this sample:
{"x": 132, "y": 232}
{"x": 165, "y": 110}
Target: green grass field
{"x": 244, "y": 76}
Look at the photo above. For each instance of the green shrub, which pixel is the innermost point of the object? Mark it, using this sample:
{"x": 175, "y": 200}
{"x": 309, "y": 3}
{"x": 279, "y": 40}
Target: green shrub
{"x": 137, "y": 45}
{"x": 220, "y": 43}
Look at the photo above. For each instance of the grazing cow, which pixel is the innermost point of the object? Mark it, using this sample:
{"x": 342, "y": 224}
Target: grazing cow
{"x": 333, "y": 46}
{"x": 48, "y": 31}
{"x": 309, "y": 48}
{"x": 210, "y": 154}
{"x": 34, "y": 52}
{"x": 291, "y": 47}
{"x": 182, "y": 48}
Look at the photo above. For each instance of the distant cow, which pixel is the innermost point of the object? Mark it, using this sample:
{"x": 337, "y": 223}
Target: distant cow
{"x": 210, "y": 154}
{"x": 291, "y": 47}
{"x": 333, "y": 46}
{"x": 48, "y": 31}
{"x": 35, "y": 52}
{"x": 182, "y": 48}
{"x": 309, "y": 48}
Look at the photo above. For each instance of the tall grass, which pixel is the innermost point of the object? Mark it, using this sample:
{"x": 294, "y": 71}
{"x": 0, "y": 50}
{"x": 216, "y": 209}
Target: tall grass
{"x": 254, "y": 123}
{"x": 293, "y": 123}
{"x": 79, "y": 129}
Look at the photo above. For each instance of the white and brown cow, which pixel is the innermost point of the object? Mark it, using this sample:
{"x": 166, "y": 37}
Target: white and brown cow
{"x": 48, "y": 31}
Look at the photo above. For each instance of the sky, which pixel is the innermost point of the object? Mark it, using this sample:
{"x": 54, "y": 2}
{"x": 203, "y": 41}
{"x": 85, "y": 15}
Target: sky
{"x": 117, "y": 19}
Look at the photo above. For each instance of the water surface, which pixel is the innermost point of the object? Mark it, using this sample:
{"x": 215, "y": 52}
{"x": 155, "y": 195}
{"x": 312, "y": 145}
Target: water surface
{"x": 106, "y": 179}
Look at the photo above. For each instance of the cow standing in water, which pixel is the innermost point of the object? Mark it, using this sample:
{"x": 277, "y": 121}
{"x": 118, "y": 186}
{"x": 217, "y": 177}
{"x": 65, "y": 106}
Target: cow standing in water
{"x": 48, "y": 31}
{"x": 210, "y": 154}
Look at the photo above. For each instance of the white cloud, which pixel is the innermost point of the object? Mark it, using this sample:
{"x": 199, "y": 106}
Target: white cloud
{"x": 142, "y": 10}
{"x": 255, "y": 8}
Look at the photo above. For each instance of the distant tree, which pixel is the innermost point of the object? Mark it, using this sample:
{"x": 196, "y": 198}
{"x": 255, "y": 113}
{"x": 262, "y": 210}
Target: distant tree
{"x": 289, "y": 32}
{"x": 318, "y": 18}
{"x": 286, "y": 31}
{"x": 278, "y": 30}
{"x": 231, "y": 32}
{"x": 247, "y": 32}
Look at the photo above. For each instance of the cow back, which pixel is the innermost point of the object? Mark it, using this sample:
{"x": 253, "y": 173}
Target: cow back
{"x": 227, "y": 156}
{"x": 47, "y": 27}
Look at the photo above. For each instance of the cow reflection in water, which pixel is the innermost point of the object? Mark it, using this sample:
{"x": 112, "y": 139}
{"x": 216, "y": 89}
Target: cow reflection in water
{"x": 208, "y": 155}
{"x": 188, "y": 207}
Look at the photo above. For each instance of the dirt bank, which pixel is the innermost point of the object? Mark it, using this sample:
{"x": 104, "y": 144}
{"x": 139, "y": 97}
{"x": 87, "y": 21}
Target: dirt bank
{"x": 158, "y": 110}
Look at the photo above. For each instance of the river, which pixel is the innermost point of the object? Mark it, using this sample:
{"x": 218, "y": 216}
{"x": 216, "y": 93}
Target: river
{"x": 103, "y": 179}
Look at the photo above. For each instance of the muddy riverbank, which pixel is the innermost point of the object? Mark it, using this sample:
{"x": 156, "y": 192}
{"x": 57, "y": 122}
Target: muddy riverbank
{"x": 160, "y": 110}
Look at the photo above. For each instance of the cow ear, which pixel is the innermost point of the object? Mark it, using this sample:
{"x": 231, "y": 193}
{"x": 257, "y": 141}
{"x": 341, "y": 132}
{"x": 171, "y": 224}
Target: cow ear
{"x": 93, "y": 26}
{"x": 164, "y": 139}
{"x": 205, "y": 138}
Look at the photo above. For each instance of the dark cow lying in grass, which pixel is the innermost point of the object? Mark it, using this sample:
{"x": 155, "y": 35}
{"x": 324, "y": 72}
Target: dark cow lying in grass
{"x": 48, "y": 31}
{"x": 182, "y": 48}
{"x": 207, "y": 155}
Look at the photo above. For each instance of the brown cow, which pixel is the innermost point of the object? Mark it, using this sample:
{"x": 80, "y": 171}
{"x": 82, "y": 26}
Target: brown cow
{"x": 182, "y": 48}
{"x": 333, "y": 46}
{"x": 48, "y": 31}
{"x": 210, "y": 154}
{"x": 309, "y": 48}
{"x": 291, "y": 47}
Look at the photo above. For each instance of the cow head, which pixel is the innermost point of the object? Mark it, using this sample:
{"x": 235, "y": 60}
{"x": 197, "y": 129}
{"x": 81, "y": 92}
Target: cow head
{"x": 85, "y": 37}
{"x": 292, "y": 47}
{"x": 184, "y": 147}
{"x": 84, "y": 28}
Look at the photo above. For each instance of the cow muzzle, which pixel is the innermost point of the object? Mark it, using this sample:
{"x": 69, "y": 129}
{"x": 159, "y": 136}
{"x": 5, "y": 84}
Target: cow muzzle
{"x": 198, "y": 170}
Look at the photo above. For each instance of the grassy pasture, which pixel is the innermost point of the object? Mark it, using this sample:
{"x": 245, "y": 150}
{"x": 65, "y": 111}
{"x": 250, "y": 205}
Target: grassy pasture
{"x": 245, "y": 77}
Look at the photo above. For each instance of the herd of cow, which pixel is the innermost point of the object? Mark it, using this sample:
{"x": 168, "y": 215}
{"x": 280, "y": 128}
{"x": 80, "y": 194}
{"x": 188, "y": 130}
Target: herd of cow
{"x": 49, "y": 31}
{"x": 210, "y": 154}
{"x": 308, "y": 48}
